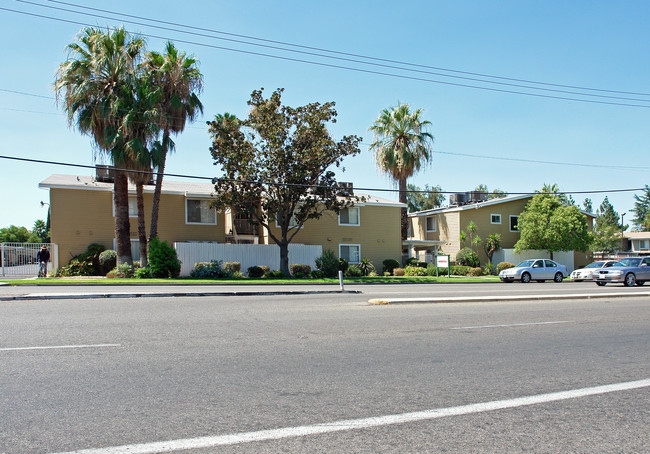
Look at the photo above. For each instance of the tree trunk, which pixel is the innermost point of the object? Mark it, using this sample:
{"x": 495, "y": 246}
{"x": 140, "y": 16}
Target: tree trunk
{"x": 122, "y": 225}
{"x": 404, "y": 214}
{"x": 284, "y": 257}
{"x": 155, "y": 206}
{"x": 142, "y": 229}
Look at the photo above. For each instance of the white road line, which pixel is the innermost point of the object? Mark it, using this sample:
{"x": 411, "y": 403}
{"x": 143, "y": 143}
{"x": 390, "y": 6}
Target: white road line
{"x": 356, "y": 424}
{"x": 511, "y": 324}
{"x": 53, "y": 347}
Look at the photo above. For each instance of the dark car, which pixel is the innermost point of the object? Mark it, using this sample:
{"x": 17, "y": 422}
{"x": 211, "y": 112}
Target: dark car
{"x": 629, "y": 271}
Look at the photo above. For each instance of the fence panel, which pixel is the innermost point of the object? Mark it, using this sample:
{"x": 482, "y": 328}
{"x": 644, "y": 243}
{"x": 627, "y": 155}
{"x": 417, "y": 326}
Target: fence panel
{"x": 19, "y": 259}
{"x": 248, "y": 255}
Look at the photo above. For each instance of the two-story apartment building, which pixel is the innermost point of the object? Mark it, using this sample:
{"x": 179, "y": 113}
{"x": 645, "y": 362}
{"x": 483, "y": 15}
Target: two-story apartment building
{"x": 82, "y": 212}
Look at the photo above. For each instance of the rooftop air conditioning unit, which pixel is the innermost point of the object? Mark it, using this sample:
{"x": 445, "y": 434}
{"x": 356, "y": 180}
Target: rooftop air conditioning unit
{"x": 104, "y": 173}
{"x": 457, "y": 199}
{"x": 477, "y": 196}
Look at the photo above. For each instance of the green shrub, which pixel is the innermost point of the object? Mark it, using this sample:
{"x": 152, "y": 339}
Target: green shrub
{"x": 390, "y": 265}
{"x": 413, "y": 270}
{"x": 142, "y": 273}
{"x": 300, "y": 271}
{"x": 459, "y": 270}
{"x": 504, "y": 266}
{"x": 467, "y": 257}
{"x": 413, "y": 261}
{"x": 317, "y": 274}
{"x": 353, "y": 271}
{"x": 123, "y": 270}
{"x": 328, "y": 263}
{"x": 488, "y": 269}
{"x": 442, "y": 271}
{"x": 255, "y": 271}
{"x": 398, "y": 272}
{"x": 275, "y": 274}
{"x": 210, "y": 270}
{"x": 233, "y": 267}
{"x": 366, "y": 267}
{"x": 387, "y": 273}
{"x": 475, "y": 271}
{"x": 163, "y": 261}
{"x": 343, "y": 265}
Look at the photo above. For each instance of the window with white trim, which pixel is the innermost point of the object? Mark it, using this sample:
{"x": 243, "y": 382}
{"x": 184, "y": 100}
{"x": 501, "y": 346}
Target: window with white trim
{"x": 133, "y": 207}
{"x": 432, "y": 224}
{"x": 198, "y": 211}
{"x": 350, "y": 216}
{"x": 513, "y": 223}
{"x": 350, "y": 252}
{"x": 495, "y": 219}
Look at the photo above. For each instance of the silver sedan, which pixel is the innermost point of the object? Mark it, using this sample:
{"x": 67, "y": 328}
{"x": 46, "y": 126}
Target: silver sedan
{"x": 587, "y": 272}
{"x": 539, "y": 270}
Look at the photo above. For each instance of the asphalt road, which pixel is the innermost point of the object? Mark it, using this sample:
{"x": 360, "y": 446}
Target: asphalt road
{"x": 79, "y": 374}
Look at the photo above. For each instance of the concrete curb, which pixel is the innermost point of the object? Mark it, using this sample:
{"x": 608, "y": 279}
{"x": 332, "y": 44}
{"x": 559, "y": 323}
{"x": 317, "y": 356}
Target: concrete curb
{"x": 486, "y": 299}
{"x": 61, "y": 296}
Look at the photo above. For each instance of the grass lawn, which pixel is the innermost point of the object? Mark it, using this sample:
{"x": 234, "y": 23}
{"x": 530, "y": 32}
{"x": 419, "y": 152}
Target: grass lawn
{"x": 247, "y": 281}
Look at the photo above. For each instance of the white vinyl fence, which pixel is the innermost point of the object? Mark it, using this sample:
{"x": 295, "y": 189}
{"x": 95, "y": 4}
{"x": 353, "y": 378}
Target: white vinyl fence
{"x": 509, "y": 255}
{"x": 248, "y": 255}
{"x": 19, "y": 259}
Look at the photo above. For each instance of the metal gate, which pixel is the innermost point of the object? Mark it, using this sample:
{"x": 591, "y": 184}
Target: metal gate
{"x": 19, "y": 259}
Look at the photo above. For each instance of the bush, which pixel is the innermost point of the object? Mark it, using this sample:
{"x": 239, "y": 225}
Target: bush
{"x": 467, "y": 257}
{"x": 209, "y": 270}
{"x": 233, "y": 267}
{"x": 504, "y": 266}
{"x": 488, "y": 269}
{"x": 459, "y": 270}
{"x": 163, "y": 261}
{"x": 300, "y": 271}
{"x": 398, "y": 272}
{"x": 85, "y": 264}
{"x": 255, "y": 271}
{"x": 107, "y": 261}
{"x": 412, "y": 270}
{"x": 366, "y": 267}
{"x": 475, "y": 271}
{"x": 412, "y": 261}
{"x": 328, "y": 263}
{"x": 142, "y": 273}
{"x": 353, "y": 271}
{"x": 343, "y": 265}
{"x": 123, "y": 270}
{"x": 275, "y": 274}
{"x": 317, "y": 274}
{"x": 390, "y": 265}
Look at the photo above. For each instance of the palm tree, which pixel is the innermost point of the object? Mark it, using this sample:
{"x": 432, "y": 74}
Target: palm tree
{"x": 101, "y": 65}
{"x": 402, "y": 145}
{"x": 180, "y": 82}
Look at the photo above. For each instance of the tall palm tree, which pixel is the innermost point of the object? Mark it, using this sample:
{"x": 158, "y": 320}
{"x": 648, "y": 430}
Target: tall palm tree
{"x": 100, "y": 66}
{"x": 402, "y": 145}
{"x": 181, "y": 82}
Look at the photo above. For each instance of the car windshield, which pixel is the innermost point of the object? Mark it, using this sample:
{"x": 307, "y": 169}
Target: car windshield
{"x": 595, "y": 265}
{"x": 526, "y": 263}
{"x": 628, "y": 262}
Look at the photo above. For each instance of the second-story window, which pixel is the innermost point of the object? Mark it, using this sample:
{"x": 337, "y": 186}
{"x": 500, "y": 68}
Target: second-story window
{"x": 349, "y": 216}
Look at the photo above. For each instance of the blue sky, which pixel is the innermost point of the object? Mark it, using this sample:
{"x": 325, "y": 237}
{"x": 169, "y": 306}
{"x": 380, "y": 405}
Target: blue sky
{"x": 593, "y": 44}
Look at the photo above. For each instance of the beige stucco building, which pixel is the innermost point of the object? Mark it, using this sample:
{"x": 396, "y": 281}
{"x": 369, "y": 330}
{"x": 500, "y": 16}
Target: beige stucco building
{"x": 82, "y": 213}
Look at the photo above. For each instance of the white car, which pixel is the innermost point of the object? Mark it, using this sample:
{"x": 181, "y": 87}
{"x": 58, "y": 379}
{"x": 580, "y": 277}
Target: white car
{"x": 538, "y": 270}
{"x": 587, "y": 272}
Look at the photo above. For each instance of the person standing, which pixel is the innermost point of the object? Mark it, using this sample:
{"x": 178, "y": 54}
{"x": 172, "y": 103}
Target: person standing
{"x": 43, "y": 256}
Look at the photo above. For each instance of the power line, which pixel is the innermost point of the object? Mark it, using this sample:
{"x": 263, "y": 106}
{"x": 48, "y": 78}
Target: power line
{"x": 337, "y": 52}
{"x": 216, "y": 180}
{"x": 367, "y": 71}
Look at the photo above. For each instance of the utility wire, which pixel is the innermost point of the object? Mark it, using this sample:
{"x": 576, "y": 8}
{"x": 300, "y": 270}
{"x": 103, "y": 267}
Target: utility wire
{"x": 360, "y": 70}
{"x": 272, "y": 183}
{"x": 338, "y": 52}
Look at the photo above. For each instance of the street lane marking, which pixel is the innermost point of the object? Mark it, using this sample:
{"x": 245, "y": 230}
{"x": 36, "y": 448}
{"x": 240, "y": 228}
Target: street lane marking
{"x": 511, "y": 324}
{"x": 356, "y": 424}
{"x": 53, "y": 347}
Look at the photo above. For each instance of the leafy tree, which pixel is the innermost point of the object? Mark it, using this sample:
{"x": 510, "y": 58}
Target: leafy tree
{"x": 91, "y": 83}
{"x": 275, "y": 165}
{"x": 14, "y": 234}
{"x": 418, "y": 199}
{"x": 402, "y": 145}
{"x": 41, "y": 231}
{"x": 492, "y": 244}
{"x": 549, "y": 223}
{"x": 587, "y": 205}
{"x": 607, "y": 229}
{"x": 641, "y": 210}
{"x": 180, "y": 81}
{"x": 607, "y": 214}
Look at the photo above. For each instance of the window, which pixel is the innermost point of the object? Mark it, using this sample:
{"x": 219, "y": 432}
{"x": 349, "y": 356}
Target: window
{"x": 198, "y": 211}
{"x": 349, "y": 216}
{"x": 513, "y": 223}
{"x": 550, "y": 264}
{"x": 495, "y": 219}
{"x": 643, "y": 244}
{"x": 431, "y": 224}
{"x": 350, "y": 252}
{"x": 133, "y": 207}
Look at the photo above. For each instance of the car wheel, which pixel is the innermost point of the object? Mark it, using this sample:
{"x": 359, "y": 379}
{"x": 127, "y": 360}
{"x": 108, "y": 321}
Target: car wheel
{"x": 525, "y": 278}
{"x": 640, "y": 282}
{"x": 558, "y": 277}
{"x": 601, "y": 284}
{"x": 630, "y": 279}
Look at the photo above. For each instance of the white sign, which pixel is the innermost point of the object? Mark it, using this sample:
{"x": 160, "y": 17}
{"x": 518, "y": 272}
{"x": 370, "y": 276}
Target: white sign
{"x": 442, "y": 261}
